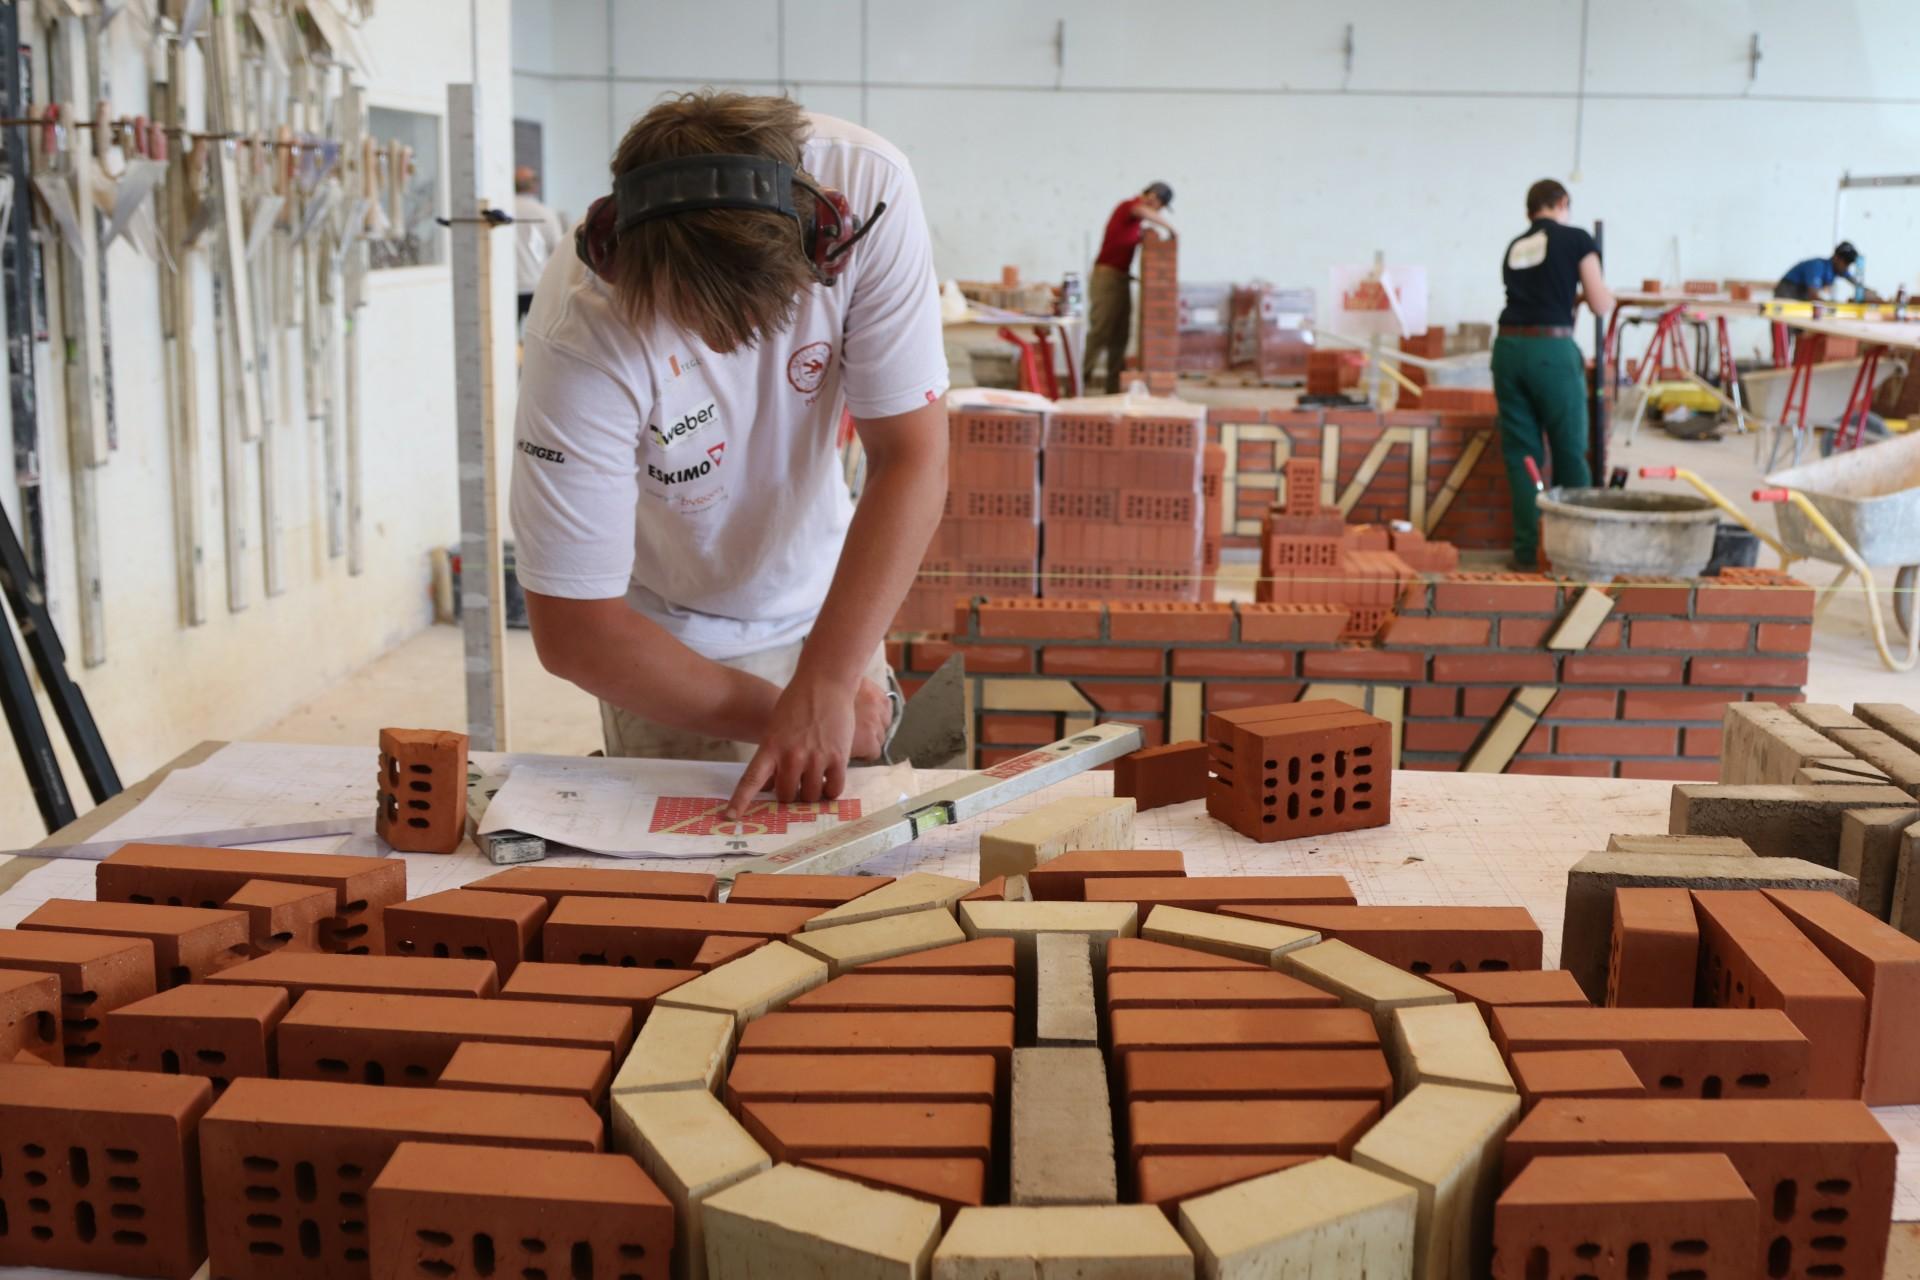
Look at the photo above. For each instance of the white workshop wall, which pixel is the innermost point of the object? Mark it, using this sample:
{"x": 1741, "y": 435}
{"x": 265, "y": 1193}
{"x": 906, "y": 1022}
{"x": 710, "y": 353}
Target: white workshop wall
{"x": 1285, "y": 162}
{"x": 165, "y": 687}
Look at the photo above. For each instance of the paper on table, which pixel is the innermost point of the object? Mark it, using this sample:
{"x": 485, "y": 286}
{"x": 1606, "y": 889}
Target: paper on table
{"x": 248, "y": 784}
{"x": 669, "y": 809}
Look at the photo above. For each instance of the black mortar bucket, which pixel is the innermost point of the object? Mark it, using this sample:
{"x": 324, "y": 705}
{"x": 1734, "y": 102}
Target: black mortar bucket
{"x": 1734, "y": 547}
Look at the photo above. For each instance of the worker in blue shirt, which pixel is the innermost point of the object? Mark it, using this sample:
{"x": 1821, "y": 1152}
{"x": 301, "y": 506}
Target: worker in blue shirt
{"x": 1809, "y": 281}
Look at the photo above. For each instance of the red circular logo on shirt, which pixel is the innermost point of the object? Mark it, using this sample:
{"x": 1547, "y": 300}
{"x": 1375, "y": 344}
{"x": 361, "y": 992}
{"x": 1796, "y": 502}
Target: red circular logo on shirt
{"x": 807, "y": 367}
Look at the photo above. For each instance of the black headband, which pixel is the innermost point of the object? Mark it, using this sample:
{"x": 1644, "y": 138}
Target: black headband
{"x": 703, "y": 182}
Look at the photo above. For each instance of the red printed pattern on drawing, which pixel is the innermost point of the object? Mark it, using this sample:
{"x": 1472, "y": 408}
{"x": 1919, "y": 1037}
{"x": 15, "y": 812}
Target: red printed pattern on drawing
{"x": 700, "y": 816}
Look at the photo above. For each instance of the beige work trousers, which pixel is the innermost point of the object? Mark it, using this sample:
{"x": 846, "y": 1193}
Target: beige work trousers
{"x": 1109, "y": 318}
{"x": 633, "y": 736}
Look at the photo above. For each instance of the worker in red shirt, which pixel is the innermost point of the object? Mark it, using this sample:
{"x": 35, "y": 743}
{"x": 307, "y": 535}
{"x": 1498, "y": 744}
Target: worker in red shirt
{"x": 1110, "y": 310}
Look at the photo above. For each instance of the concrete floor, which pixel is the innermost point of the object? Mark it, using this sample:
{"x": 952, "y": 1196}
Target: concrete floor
{"x": 420, "y": 682}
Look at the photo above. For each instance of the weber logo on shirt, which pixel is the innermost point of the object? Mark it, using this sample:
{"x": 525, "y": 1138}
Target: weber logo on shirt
{"x": 683, "y": 428}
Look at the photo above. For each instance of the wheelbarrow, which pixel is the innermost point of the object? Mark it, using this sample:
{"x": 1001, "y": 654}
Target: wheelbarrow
{"x": 1855, "y": 509}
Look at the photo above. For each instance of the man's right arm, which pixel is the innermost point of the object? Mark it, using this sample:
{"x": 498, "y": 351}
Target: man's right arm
{"x": 624, "y": 658}
{"x": 1593, "y": 284}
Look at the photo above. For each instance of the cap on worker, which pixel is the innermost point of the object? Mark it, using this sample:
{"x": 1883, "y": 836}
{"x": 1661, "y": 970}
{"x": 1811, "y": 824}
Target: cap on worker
{"x": 1161, "y": 192}
{"x": 1846, "y": 252}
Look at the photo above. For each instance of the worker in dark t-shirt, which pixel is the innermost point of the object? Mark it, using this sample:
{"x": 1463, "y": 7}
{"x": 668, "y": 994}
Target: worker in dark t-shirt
{"x": 1110, "y": 304}
{"x": 1809, "y": 281}
{"x": 1539, "y": 376}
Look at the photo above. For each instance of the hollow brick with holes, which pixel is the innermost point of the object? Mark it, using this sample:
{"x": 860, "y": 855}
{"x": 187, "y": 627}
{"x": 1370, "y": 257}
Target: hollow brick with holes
{"x": 1574, "y": 1073}
{"x": 500, "y": 927}
{"x": 288, "y": 1165}
{"x": 189, "y": 943}
{"x": 30, "y": 1017}
{"x": 101, "y": 1171}
{"x": 283, "y": 917}
{"x": 1420, "y": 940}
{"x": 97, "y": 973}
{"x": 438, "y": 1209}
{"x": 1705, "y": 1053}
{"x": 406, "y": 1040}
{"x": 1297, "y": 769}
{"x": 1064, "y": 878}
{"x": 217, "y": 1032}
{"x": 187, "y": 875}
{"x": 1823, "y": 1171}
{"x": 656, "y": 934}
{"x": 1682, "y": 1214}
{"x": 422, "y": 790}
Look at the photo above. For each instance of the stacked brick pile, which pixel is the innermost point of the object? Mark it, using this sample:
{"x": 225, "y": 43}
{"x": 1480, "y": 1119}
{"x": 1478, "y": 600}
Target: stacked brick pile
{"x": 1203, "y": 328}
{"x": 1333, "y": 371}
{"x": 1429, "y": 345}
{"x": 1159, "y": 311}
{"x": 1643, "y": 699}
{"x": 1262, "y": 342}
{"x": 1124, "y": 500}
{"x": 1309, "y": 554}
{"x": 989, "y": 534}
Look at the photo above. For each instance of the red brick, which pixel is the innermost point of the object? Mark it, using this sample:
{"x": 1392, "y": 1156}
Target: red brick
{"x": 655, "y": 934}
{"x": 1481, "y": 702}
{"x": 555, "y": 883}
{"x": 433, "y": 1202}
{"x": 1660, "y": 633}
{"x": 1432, "y": 701}
{"x": 1748, "y": 945}
{"x": 1779, "y": 672}
{"x": 1159, "y": 776}
{"x": 1042, "y": 619}
{"x": 290, "y": 917}
{"x": 1065, "y": 878}
{"x": 1702, "y": 742}
{"x": 1672, "y": 770}
{"x": 501, "y": 927}
{"x": 422, "y": 805}
{"x": 1363, "y": 664}
{"x": 1059, "y": 661}
{"x": 716, "y": 951}
{"x": 97, "y": 973}
{"x": 1240, "y": 1030}
{"x": 1884, "y": 964}
{"x": 1785, "y": 637}
{"x": 1762, "y": 593}
{"x": 1249, "y": 1127}
{"x": 1835, "y": 1155}
{"x": 1213, "y": 990}
{"x": 823, "y": 892}
{"x": 1490, "y": 991}
{"x": 407, "y": 1040}
{"x": 1574, "y": 1073}
{"x": 1639, "y": 594}
{"x": 952, "y": 1182}
{"x": 1223, "y": 696}
{"x": 1583, "y": 704}
{"x": 298, "y": 973}
{"x": 1420, "y": 939}
{"x": 1119, "y": 698}
{"x": 634, "y": 989}
{"x": 1037, "y": 728}
{"x": 804, "y": 1130}
{"x": 1421, "y": 735}
{"x": 1503, "y": 668}
{"x": 1655, "y": 950}
{"x": 1525, "y": 633}
{"x": 30, "y": 1017}
{"x": 1614, "y": 1205}
{"x": 1276, "y": 663}
{"x": 982, "y": 955}
{"x": 1675, "y": 704}
{"x": 1618, "y": 740}
{"x": 529, "y": 1068}
{"x": 1130, "y": 955}
{"x": 1438, "y": 632}
{"x": 216, "y": 1032}
{"x": 873, "y": 1077}
{"x": 856, "y": 992}
{"x": 1291, "y": 623}
{"x": 121, "y": 1117}
{"x": 1171, "y": 621}
{"x": 1503, "y": 593}
{"x": 1213, "y": 893}
{"x": 188, "y": 942}
{"x": 1599, "y": 668}
{"x": 1164, "y": 1181}
{"x": 1684, "y": 1052}
{"x": 889, "y": 1032}
{"x": 1191, "y": 1075}
{"x": 993, "y": 659}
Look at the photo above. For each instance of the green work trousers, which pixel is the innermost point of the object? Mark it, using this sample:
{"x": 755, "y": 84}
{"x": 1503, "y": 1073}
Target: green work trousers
{"x": 1541, "y": 384}
{"x": 1109, "y": 316}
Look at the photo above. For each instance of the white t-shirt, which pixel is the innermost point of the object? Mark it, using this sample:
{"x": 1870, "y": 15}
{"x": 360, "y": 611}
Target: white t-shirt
{"x": 707, "y": 488}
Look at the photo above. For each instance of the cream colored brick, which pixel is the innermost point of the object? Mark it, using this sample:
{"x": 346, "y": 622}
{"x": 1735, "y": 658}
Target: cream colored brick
{"x": 797, "y": 1222}
{"x": 1083, "y": 822}
{"x": 1063, "y": 1242}
{"x": 763, "y": 979}
{"x": 692, "y": 1147}
{"x": 1066, "y": 1013}
{"x": 1362, "y": 981}
{"x": 1061, "y": 1129}
{"x": 1705, "y": 846}
{"x": 1445, "y": 1144}
{"x": 1323, "y": 1218}
{"x": 849, "y": 945}
{"x": 919, "y": 891}
{"x": 1253, "y": 940}
{"x": 677, "y": 1049}
{"x": 1023, "y": 921}
{"x": 1445, "y": 1044}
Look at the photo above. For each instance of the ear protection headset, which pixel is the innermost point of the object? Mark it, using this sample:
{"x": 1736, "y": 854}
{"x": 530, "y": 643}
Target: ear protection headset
{"x": 828, "y": 228}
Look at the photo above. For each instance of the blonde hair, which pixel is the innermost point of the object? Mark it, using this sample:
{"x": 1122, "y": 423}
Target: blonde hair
{"x": 732, "y": 276}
